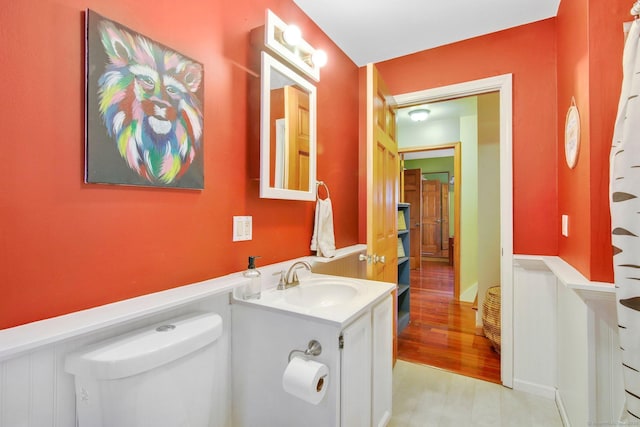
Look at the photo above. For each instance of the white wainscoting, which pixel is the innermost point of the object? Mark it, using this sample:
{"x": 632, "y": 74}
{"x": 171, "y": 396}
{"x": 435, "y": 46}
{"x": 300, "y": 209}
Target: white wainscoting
{"x": 566, "y": 340}
{"x": 35, "y": 391}
{"x": 573, "y": 356}
{"x": 606, "y": 384}
{"x": 534, "y": 329}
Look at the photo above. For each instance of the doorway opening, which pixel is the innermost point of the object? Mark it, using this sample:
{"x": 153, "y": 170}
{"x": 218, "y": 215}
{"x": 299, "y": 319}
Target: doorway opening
{"x": 501, "y": 85}
{"x": 436, "y": 204}
{"x": 443, "y": 331}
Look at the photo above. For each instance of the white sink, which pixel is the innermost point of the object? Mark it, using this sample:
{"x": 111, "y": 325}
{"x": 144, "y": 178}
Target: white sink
{"x": 321, "y": 293}
{"x": 320, "y": 296}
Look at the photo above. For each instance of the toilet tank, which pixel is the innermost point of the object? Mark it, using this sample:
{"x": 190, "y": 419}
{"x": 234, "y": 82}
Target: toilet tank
{"x": 160, "y": 375}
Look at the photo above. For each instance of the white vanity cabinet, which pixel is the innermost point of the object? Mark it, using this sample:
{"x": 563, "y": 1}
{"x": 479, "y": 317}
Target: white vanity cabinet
{"x": 366, "y": 359}
{"x": 382, "y": 362}
{"x": 357, "y": 352}
{"x": 356, "y": 381}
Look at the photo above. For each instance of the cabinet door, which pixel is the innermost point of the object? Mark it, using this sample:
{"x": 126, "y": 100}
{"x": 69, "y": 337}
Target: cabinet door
{"x": 382, "y": 325}
{"x": 355, "y": 394}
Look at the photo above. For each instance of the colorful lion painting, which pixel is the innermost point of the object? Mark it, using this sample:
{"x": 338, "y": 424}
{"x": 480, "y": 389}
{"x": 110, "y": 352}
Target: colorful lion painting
{"x": 148, "y": 100}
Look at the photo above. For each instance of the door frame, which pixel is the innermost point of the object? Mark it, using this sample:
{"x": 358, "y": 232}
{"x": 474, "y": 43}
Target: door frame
{"x": 504, "y": 85}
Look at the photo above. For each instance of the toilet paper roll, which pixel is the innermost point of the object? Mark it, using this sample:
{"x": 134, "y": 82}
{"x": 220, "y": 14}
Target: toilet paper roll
{"x": 306, "y": 379}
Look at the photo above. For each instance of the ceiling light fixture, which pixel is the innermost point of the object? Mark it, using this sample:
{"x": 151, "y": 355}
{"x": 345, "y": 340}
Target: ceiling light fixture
{"x": 419, "y": 115}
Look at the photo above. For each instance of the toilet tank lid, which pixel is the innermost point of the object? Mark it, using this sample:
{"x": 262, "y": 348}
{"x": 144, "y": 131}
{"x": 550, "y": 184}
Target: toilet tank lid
{"x": 145, "y": 348}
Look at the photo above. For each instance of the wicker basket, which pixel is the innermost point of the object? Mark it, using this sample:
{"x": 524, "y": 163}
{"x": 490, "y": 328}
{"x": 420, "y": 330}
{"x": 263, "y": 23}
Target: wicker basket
{"x": 491, "y": 317}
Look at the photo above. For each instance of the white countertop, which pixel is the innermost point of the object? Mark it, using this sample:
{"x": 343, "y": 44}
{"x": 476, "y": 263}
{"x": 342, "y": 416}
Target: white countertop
{"x": 368, "y": 293}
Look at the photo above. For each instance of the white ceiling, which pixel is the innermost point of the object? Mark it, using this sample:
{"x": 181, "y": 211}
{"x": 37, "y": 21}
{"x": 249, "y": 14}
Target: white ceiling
{"x": 444, "y": 117}
{"x": 377, "y": 30}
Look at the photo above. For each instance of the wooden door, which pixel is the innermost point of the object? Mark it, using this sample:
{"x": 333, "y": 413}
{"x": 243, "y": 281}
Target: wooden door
{"x": 413, "y": 196}
{"x": 297, "y": 128}
{"x": 382, "y": 180}
{"x": 382, "y": 186}
{"x": 277, "y": 118}
{"x": 444, "y": 206}
{"x": 431, "y": 217}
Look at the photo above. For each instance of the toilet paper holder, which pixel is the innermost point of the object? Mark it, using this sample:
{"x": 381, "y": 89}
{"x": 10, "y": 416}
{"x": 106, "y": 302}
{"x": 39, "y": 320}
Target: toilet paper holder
{"x": 314, "y": 349}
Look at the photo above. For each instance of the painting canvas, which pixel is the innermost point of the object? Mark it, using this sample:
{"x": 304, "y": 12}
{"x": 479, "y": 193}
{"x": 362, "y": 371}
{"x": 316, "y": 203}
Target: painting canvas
{"x": 144, "y": 113}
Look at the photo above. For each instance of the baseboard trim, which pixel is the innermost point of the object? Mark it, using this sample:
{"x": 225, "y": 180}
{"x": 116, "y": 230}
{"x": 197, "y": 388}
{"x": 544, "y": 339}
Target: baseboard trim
{"x": 533, "y": 388}
{"x": 563, "y": 412}
{"x": 384, "y": 421}
{"x": 470, "y": 293}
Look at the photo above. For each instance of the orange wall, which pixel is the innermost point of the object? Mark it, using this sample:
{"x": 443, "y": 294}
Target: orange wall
{"x": 605, "y": 51}
{"x": 529, "y": 53}
{"x": 573, "y": 81}
{"x": 67, "y": 246}
{"x": 590, "y": 43}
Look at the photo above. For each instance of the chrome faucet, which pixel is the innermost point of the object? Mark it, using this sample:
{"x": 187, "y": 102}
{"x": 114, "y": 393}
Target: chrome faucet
{"x": 291, "y": 276}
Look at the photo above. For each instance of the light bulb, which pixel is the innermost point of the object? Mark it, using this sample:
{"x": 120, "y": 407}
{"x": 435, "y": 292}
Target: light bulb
{"x": 319, "y": 58}
{"x": 292, "y": 35}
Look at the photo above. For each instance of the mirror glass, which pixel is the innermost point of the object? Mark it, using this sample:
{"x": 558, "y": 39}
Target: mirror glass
{"x": 287, "y": 133}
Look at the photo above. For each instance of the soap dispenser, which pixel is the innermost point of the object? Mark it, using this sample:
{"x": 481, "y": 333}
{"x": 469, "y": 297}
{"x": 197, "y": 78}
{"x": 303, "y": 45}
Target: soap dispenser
{"x": 253, "y": 288}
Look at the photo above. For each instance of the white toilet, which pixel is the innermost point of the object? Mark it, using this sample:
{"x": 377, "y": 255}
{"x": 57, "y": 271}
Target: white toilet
{"x": 161, "y": 375}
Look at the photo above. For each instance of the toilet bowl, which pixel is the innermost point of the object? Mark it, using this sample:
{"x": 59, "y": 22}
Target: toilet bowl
{"x": 160, "y": 375}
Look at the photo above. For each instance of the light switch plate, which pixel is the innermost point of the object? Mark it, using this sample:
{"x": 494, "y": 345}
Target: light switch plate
{"x": 242, "y": 228}
{"x": 565, "y": 225}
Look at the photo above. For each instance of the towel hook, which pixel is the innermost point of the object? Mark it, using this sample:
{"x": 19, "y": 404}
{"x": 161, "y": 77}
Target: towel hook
{"x": 321, "y": 183}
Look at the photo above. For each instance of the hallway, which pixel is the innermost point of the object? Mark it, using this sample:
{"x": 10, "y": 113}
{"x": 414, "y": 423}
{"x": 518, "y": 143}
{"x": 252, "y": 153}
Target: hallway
{"x": 441, "y": 332}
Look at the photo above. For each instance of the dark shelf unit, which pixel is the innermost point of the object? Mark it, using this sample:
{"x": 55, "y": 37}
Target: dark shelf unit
{"x": 404, "y": 290}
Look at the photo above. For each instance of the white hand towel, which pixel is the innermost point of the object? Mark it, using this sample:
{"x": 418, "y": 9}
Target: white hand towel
{"x": 323, "y": 240}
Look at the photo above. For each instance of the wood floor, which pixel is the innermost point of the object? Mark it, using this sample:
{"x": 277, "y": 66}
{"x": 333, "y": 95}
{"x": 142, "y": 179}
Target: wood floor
{"x": 441, "y": 331}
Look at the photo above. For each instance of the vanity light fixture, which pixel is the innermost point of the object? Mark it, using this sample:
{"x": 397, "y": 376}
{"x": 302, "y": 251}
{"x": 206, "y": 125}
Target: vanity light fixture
{"x": 287, "y": 42}
{"x": 292, "y": 35}
{"x": 419, "y": 115}
{"x": 319, "y": 58}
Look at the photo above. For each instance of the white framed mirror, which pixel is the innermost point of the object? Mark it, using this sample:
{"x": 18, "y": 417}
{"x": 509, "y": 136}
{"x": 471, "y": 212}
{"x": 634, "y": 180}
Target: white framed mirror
{"x": 287, "y": 133}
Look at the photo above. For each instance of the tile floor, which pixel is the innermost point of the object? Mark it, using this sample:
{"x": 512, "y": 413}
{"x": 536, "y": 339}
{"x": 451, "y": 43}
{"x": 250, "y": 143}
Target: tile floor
{"x": 424, "y": 396}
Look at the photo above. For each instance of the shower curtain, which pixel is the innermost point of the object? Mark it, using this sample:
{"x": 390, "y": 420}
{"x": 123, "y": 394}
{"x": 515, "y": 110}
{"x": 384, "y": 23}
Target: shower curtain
{"x": 625, "y": 221}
